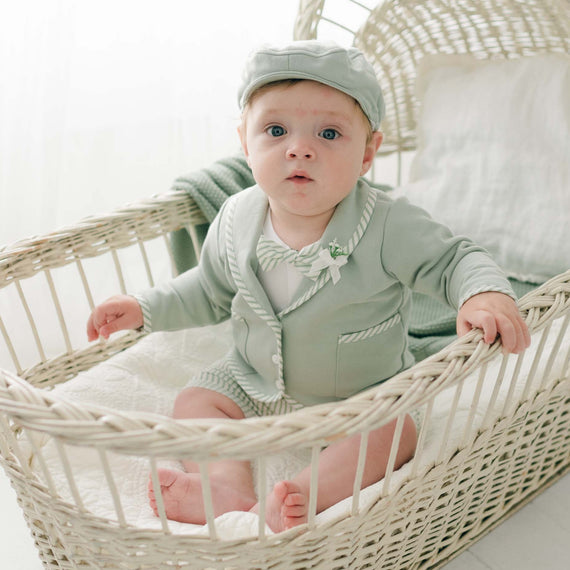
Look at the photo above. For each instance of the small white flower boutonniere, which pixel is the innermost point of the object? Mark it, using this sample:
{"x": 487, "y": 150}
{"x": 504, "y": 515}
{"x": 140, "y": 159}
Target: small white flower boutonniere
{"x": 332, "y": 259}
{"x": 336, "y": 250}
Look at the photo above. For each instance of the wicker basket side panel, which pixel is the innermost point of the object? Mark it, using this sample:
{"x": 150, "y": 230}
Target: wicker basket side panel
{"x": 418, "y": 525}
{"x": 307, "y": 20}
{"x": 49, "y": 285}
{"x": 399, "y": 33}
{"x": 138, "y": 222}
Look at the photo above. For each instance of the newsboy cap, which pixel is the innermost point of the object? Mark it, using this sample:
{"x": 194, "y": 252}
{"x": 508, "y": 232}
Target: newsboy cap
{"x": 345, "y": 69}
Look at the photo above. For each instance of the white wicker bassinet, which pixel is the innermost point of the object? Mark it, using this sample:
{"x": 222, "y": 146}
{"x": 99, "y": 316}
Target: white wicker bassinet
{"x": 486, "y": 464}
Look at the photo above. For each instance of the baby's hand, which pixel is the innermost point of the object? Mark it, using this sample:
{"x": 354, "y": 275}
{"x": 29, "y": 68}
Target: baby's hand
{"x": 494, "y": 313}
{"x": 117, "y": 313}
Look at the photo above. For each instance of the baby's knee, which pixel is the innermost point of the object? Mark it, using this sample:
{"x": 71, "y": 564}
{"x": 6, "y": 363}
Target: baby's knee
{"x": 406, "y": 442}
{"x": 185, "y": 400}
{"x": 194, "y": 402}
{"x": 409, "y": 439}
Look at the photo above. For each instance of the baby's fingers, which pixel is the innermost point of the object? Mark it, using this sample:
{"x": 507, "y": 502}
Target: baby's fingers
{"x": 117, "y": 313}
{"x": 100, "y": 323}
{"x": 483, "y": 320}
{"x": 514, "y": 335}
{"x": 113, "y": 326}
{"x": 509, "y": 334}
{"x": 92, "y": 332}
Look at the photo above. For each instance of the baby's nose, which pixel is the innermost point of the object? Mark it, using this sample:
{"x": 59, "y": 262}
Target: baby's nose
{"x": 300, "y": 149}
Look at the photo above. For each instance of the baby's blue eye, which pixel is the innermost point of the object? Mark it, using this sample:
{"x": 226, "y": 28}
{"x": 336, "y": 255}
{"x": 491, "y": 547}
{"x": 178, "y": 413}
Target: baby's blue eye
{"x": 276, "y": 131}
{"x": 329, "y": 134}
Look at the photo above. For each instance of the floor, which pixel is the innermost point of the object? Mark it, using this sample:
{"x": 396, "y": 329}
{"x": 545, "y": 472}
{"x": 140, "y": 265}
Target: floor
{"x": 535, "y": 538}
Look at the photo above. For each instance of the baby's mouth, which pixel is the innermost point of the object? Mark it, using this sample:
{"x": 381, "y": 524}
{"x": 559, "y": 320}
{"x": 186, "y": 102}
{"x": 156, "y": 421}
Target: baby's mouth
{"x": 299, "y": 177}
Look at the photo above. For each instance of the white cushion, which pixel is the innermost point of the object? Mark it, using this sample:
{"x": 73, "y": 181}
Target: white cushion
{"x": 493, "y": 157}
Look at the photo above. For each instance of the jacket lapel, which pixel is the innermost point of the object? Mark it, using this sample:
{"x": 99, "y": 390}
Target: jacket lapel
{"x": 245, "y": 223}
{"x": 347, "y": 226}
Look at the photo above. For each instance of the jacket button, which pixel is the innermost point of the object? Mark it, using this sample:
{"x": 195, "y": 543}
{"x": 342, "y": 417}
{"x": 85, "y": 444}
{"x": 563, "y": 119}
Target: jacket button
{"x": 275, "y": 359}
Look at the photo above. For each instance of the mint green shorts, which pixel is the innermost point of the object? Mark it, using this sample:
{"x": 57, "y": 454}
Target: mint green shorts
{"x": 220, "y": 378}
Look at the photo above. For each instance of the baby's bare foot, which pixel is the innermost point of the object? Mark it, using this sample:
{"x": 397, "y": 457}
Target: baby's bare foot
{"x": 182, "y": 497}
{"x": 286, "y": 507}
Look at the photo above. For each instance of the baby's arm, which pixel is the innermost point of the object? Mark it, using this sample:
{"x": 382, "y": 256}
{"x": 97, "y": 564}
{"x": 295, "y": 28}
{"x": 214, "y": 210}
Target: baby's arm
{"x": 494, "y": 313}
{"x": 117, "y": 313}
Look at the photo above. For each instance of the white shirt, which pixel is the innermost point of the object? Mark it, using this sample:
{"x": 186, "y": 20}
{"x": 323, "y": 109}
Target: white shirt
{"x": 281, "y": 282}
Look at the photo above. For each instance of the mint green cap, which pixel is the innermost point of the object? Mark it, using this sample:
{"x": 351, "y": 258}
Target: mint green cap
{"x": 345, "y": 69}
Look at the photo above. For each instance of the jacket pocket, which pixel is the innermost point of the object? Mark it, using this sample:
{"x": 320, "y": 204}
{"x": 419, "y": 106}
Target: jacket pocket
{"x": 369, "y": 356}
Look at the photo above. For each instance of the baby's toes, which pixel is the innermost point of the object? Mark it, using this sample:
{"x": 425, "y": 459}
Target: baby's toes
{"x": 152, "y": 503}
{"x": 294, "y": 510}
{"x": 295, "y": 500}
{"x": 292, "y": 522}
{"x": 150, "y": 489}
{"x": 295, "y": 505}
{"x": 151, "y": 497}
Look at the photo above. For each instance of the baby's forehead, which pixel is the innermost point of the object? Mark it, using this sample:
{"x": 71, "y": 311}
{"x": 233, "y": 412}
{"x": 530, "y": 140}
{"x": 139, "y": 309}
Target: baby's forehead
{"x": 303, "y": 97}
{"x": 307, "y": 85}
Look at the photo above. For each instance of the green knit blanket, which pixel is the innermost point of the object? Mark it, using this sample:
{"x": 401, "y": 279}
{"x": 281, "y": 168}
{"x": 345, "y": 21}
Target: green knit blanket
{"x": 210, "y": 188}
{"x": 432, "y": 324}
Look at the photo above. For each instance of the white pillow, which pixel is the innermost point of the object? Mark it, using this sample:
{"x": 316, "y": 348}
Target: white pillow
{"x": 493, "y": 158}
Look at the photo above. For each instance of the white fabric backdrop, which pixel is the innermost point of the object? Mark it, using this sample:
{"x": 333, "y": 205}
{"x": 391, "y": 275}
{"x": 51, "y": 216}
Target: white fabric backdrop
{"x": 106, "y": 101}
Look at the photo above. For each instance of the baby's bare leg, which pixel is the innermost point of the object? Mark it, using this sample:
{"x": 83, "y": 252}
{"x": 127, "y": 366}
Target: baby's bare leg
{"x": 231, "y": 481}
{"x": 287, "y": 505}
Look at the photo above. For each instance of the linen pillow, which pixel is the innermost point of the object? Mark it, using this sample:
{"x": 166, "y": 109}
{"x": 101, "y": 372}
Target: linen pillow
{"x": 493, "y": 157}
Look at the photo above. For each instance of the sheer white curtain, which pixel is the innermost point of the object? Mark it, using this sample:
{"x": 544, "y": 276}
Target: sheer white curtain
{"x": 103, "y": 102}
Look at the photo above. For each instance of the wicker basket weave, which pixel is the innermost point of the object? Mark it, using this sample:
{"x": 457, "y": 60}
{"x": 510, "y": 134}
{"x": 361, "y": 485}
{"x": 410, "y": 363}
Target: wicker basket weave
{"x": 420, "y": 521}
{"x": 395, "y": 35}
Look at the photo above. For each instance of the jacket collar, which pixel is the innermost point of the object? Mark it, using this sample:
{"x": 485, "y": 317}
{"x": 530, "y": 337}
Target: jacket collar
{"x": 246, "y": 217}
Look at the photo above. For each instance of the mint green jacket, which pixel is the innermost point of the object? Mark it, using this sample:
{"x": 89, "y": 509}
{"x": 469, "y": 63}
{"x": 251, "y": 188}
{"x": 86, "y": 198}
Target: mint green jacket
{"x": 334, "y": 340}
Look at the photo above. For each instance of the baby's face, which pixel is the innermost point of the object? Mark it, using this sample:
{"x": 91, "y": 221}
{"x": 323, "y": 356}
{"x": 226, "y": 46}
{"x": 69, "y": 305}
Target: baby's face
{"x": 307, "y": 145}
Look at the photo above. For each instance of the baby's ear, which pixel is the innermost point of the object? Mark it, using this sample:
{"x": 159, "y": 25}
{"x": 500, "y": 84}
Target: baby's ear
{"x": 243, "y": 140}
{"x": 370, "y": 151}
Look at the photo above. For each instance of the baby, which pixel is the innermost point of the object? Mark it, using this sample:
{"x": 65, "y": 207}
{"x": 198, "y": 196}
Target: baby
{"x": 314, "y": 267}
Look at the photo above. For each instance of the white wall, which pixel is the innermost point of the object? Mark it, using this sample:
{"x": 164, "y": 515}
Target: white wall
{"x": 106, "y": 101}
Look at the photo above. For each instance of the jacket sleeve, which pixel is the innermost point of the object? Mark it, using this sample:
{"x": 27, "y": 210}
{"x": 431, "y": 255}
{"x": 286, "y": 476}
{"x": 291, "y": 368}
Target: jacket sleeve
{"x": 201, "y": 296}
{"x": 425, "y": 256}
